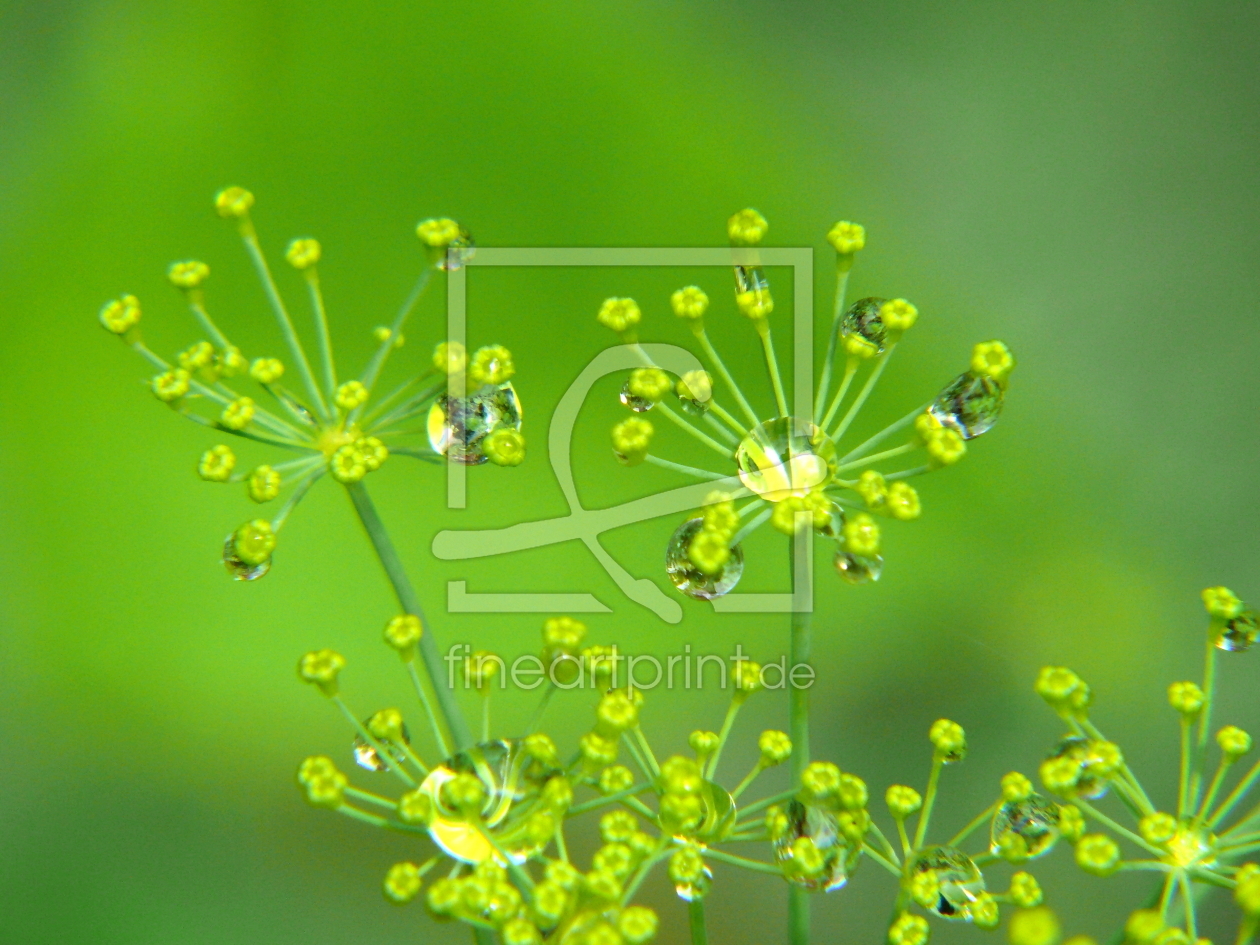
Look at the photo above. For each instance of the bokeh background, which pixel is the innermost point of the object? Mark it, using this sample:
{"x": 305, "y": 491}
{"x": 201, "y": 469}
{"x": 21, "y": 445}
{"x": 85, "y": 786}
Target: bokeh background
{"x": 1078, "y": 179}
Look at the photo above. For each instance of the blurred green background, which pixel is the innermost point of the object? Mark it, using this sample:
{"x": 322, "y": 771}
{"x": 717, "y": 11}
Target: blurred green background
{"x": 1078, "y": 179}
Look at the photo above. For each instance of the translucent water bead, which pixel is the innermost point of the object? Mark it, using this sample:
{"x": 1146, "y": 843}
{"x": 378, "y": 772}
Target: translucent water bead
{"x": 785, "y": 457}
{"x": 970, "y": 405}
{"x": 691, "y": 580}
{"x": 820, "y": 825}
{"x": 960, "y": 880}
{"x": 458, "y": 425}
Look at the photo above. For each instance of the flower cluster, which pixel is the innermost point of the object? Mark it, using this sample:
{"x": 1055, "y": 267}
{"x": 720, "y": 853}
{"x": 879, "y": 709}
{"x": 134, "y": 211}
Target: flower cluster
{"x": 465, "y": 407}
{"x": 790, "y": 467}
{"x": 1191, "y": 846}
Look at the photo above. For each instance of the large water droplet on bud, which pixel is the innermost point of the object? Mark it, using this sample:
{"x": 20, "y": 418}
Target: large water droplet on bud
{"x": 457, "y": 425}
{"x": 1239, "y": 634}
{"x": 1035, "y": 820}
{"x": 365, "y": 756}
{"x": 961, "y": 881}
{"x": 858, "y": 569}
{"x": 840, "y": 857}
{"x": 785, "y": 457}
{"x": 239, "y": 570}
{"x": 969, "y": 405}
{"x": 690, "y": 579}
{"x": 862, "y": 318}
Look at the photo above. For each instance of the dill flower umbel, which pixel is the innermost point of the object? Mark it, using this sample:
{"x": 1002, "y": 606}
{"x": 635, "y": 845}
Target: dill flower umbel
{"x": 457, "y": 408}
{"x": 1198, "y": 843}
{"x": 793, "y": 469}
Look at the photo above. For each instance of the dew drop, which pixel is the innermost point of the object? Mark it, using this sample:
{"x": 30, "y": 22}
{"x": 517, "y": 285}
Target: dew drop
{"x": 1081, "y": 750}
{"x": 457, "y": 425}
{"x": 239, "y": 570}
{"x": 1239, "y": 634}
{"x": 961, "y": 881}
{"x": 820, "y": 825}
{"x": 1035, "y": 820}
{"x": 862, "y": 318}
{"x": 970, "y": 405}
{"x": 785, "y": 457}
{"x": 690, "y": 892}
{"x": 691, "y": 580}
{"x": 858, "y": 569}
{"x": 365, "y": 756}
{"x": 458, "y": 251}
{"x": 637, "y": 404}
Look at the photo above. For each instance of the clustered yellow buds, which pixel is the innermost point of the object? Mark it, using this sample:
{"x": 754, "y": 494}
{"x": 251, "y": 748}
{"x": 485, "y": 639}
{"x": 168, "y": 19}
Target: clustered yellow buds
{"x": 747, "y": 227}
{"x": 254, "y": 542}
{"x": 170, "y": 386}
{"x": 321, "y": 668}
{"x": 350, "y": 395}
{"x": 902, "y": 800}
{"x": 1233, "y": 741}
{"x": 775, "y": 748}
{"x": 1222, "y": 603}
{"x": 1016, "y": 787}
{"x": 898, "y": 315}
{"x": 619, "y": 314}
{"x": 650, "y": 384}
{"x": 383, "y": 333}
{"x": 1038, "y": 926}
{"x": 1098, "y": 854}
{"x": 615, "y": 779}
{"x": 303, "y": 253}
{"x": 855, "y": 346}
{"x": 120, "y": 315}
{"x": 197, "y": 356}
{"x": 263, "y": 484}
{"x": 756, "y": 304}
{"x": 908, "y": 929}
{"x": 903, "y": 502}
{"x": 1063, "y": 690}
{"x": 238, "y": 414}
{"x": 490, "y": 365}
{"x": 350, "y": 463}
{"x": 746, "y": 678}
{"x": 402, "y": 883}
{"x": 631, "y": 438}
{"x": 449, "y": 357}
{"x": 1025, "y": 890}
{"x": 949, "y": 740}
{"x": 690, "y": 303}
{"x": 992, "y": 359}
{"x": 1158, "y": 828}
{"x": 216, "y": 464}
{"x": 233, "y": 203}
{"x": 438, "y": 233}
{"x": 324, "y": 784}
{"x": 505, "y": 447}
{"x": 847, "y": 238}
{"x": 709, "y": 551}
{"x": 403, "y": 632}
{"x": 861, "y": 536}
{"x": 696, "y": 386}
{"x": 189, "y": 274}
{"x": 266, "y": 370}
{"x": 1186, "y": 698}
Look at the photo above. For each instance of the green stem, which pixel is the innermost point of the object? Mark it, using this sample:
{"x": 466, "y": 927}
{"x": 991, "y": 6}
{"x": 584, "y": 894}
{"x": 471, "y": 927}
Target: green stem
{"x": 695, "y": 911}
{"x": 877, "y": 457}
{"x": 1205, "y": 718}
{"x": 1235, "y": 795}
{"x": 929, "y": 799}
{"x": 410, "y": 603}
{"x": 863, "y": 394}
{"x": 986, "y": 814}
{"x": 850, "y": 370}
{"x": 718, "y": 364}
{"x": 885, "y": 433}
{"x": 423, "y": 696}
{"x": 1124, "y": 832}
{"x": 682, "y": 424}
{"x": 742, "y": 862}
{"x": 598, "y": 802}
{"x": 767, "y": 802}
{"x": 824, "y": 382}
{"x": 692, "y": 471}
{"x": 731, "y": 711}
{"x": 321, "y": 332}
{"x": 772, "y": 363}
{"x": 1183, "y": 779}
{"x": 798, "y": 730}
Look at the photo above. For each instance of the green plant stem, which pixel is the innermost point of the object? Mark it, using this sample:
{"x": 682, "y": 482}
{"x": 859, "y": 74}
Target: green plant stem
{"x": 742, "y": 862}
{"x": 929, "y": 799}
{"x": 443, "y": 746}
{"x": 321, "y": 332}
{"x": 865, "y": 392}
{"x": 1236, "y": 795}
{"x": 731, "y": 711}
{"x": 1205, "y": 719}
{"x": 976, "y": 821}
{"x": 766, "y": 802}
{"x": 707, "y": 346}
{"x": 798, "y": 729}
{"x": 692, "y": 471}
{"x": 824, "y": 382}
{"x": 695, "y": 911}
{"x": 772, "y": 364}
{"x": 456, "y": 724}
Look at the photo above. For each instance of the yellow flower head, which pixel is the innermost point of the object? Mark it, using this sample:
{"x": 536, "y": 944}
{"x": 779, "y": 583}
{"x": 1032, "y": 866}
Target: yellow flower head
{"x": 350, "y": 395}
{"x": 197, "y": 356}
{"x": 303, "y": 253}
{"x": 238, "y": 414}
{"x": 233, "y": 203}
{"x": 1222, "y": 603}
{"x": 320, "y": 668}
{"x": 775, "y": 748}
{"x": 505, "y": 447}
{"x": 755, "y": 304}
{"x": 631, "y": 438}
{"x": 898, "y": 315}
{"x": 861, "y": 536}
{"x": 1186, "y": 697}
{"x": 1098, "y": 854}
{"x": 120, "y": 315}
{"x": 1037, "y": 926}
{"x": 846, "y": 237}
{"x": 216, "y": 464}
{"x": 903, "y": 501}
{"x": 902, "y": 801}
{"x": 263, "y": 484}
{"x": 449, "y": 357}
{"x": 908, "y": 929}
{"x": 709, "y": 551}
{"x": 254, "y": 542}
{"x": 994, "y": 359}
{"x": 490, "y": 365}
{"x": 949, "y": 740}
{"x": 403, "y": 633}
{"x": 619, "y": 314}
{"x": 266, "y": 370}
{"x": 747, "y": 227}
{"x": 695, "y": 385}
{"x": 689, "y": 302}
{"x": 650, "y": 384}
{"x": 945, "y": 448}
{"x": 170, "y": 386}
{"x": 189, "y": 274}
{"x": 402, "y": 883}
{"x": 438, "y": 233}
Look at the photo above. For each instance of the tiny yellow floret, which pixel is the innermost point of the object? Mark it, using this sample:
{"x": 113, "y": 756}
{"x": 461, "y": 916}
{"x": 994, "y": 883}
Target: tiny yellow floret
{"x": 189, "y": 274}
{"x": 861, "y": 536}
{"x": 350, "y": 395}
{"x": 847, "y": 238}
{"x": 438, "y": 233}
{"x": 490, "y": 365}
{"x": 898, "y": 315}
{"x": 216, "y": 464}
{"x": 619, "y": 314}
{"x": 320, "y": 668}
{"x": 171, "y": 386}
{"x": 689, "y": 302}
{"x": 449, "y": 357}
{"x": 403, "y": 632}
{"x": 994, "y": 359}
{"x": 303, "y": 253}
{"x": 238, "y": 414}
{"x": 402, "y": 883}
{"x": 1222, "y": 603}
{"x": 263, "y": 484}
{"x": 505, "y": 447}
{"x": 266, "y": 370}
{"x": 233, "y": 203}
{"x": 120, "y": 315}
{"x": 747, "y": 227}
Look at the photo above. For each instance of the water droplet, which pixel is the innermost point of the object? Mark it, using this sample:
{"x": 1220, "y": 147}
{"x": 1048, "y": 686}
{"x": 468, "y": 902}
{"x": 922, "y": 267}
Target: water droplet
{"x": 863, "y": 319}
{"x": 457, "y": 425}
{"x": 637, "y": 404}
{"x": 1238, "y": 635}
{"x": 690, "y": 892}
{"x": 458, "y": 251}
{"x": 239, "y": 570}
{"x": 750, "y": 279}
{"x": 1081, "y": 750}
{"x": 785, "y": 457}
{"x": 1034, "y": 819}
{"x": 365, "y": 756}
{"x": 840, "y": 857}
{"x": 718, "y": 819}
{"x": 970, "y": 405}
{"x": 513, "y": 783}
{"x": 857, "y": 569}
{"x": 834, "y": 526}
{"x": 961, "y": 881}
{"x": 691, "y": 580}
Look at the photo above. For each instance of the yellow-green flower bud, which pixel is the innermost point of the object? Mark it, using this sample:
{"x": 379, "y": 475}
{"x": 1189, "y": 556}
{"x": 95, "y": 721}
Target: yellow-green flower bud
{"x": 821, "y": 780}
{"x": 1012, "y": 847}
{"x": 491, "y": 364}
{"x": 615, "y": 779}
{"x": 233, "y": 203}
{"x": 1038, "y": 926}
{"x": 444, "y": 897}
{"x": 563, "y": 875}
{"x": 189, "y": 274}
{"x": 1098, "y": 854}
{"x": 755, "y": 304}
{"x": 326, "y": 791}
{"x": 944, "y": 448}
{"x": 403, "y": 633}
{"x": 777, "y": 823}
{"x": 387, "y": 725}
{"x": 709, "y": 551}
{"x": 847, "y": 238}
{"x": 746, "y": 677}
{"x": 254, "y": 542}
{"x": 903, "y": 502}
{"x": 372, "y": 452}
{"x": 617, "y": 825}
{"x": 680, "y": 813}
{"x": 650, "y": 384}
{"x": 449, "y": 357}
{"x": 216, "y": 464}
{"x": 1158, "y": 828}
{"x": 1222, "y": 603}
{"x": 1247, "y": 894}
{"x": 704, "y": 744}
{"x": 402, "y": 883}
{"x": 597, "y": 750}
{"x": 1071, "y": 822}
{"x": 908, "y": 929}
{"x": 637, "y": 925}
{"x": 303, "y": 253}
{"x": 238, "y": 414}
{"x": 1143, "y": 926}
{"x": 315, "y": 767}
{"x": 263, "y": 484}
{"x": 949, "y": 740}
{"x": 1025, "y": 890}
{"x": 415, "y": 807}
{"x": 542, "y": 749}
{"x": 1058, "y": 686}
{"x": 601, "y": 884}
{"x": 347, "y": 465}
{"x": 925, "y": 888}
{"x": 619, "y": 314}
{"x": 197, "y": 356}
{"x": 383, "y": 334}
{"x": 686, "y": 866}
{"x": 852, "y": 792}
{"x": 855, "y": 346}
{"x": 1016, "y": 788}
{"x": 695, "y": 385}
{"x": 505, "y": 447}
{"x": 320, "y": 668}
{"x": 984, "y": 912}
{"x": 631, "y": 438}
{"x": 1234, "y": 742}
{"x": 563, "y": 634}
{"x": 806, "y": 860}
{"x": 170, "y": 386}
{"x": 719, "y": 514}
{"x": 351, "y": 394}
{"x": 680, "y": 775}
{"x": 615, "y": 714}
{"x": 120, "y": 315}
{"x": 550, "y": 902}
{"x": 614, "y": 858}
{"x": 230, "y": 362}
{"x": 786, "y": 518}
{"x": 1185, "y": 697}
{"x": 266, "y": 370}
{"x": 775, "y": 748}
{"x": 747, "y": 227}
{"x": 873, "y": 488}
{"x": 993, "y": 359}
{"x": 898, "y": 315}
{"x": 861, "y": 536}
{"x": 1060, "y": 775}
{"x": 690, "y": 303}
{"x": 464, "y": 792}
{"x": 520, "y": 931}
{"x": 902, "y": 801}
{"x": 481, "y": 667}
{"x": 438, "y": 233}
